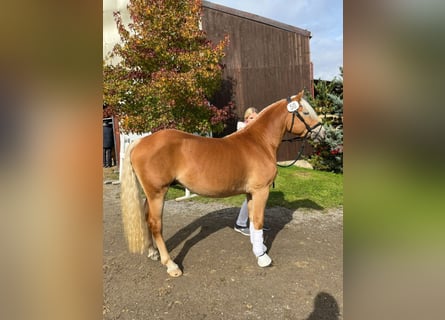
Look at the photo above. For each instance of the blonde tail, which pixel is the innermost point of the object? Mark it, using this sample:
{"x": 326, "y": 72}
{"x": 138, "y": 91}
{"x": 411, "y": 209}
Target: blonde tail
{"x": 133, "y": 215}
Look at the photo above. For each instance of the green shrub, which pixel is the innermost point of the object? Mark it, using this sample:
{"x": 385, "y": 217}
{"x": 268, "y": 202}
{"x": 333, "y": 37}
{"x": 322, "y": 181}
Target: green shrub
{"x": 328, "y": 102}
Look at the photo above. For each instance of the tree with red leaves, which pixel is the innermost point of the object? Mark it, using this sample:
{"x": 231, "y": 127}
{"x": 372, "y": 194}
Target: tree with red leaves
{"x": 166, "y": 71}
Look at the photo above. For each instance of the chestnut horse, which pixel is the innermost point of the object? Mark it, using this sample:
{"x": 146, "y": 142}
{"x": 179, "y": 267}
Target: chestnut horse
{"x": 241, "y": 163}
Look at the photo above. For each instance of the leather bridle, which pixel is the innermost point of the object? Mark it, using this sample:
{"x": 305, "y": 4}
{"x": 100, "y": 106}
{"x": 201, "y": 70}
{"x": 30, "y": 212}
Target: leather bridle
{"x": 308, "y": 127}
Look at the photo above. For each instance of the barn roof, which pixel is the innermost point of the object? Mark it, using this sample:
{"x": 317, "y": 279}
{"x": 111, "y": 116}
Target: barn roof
{"x": 254, "y": 17}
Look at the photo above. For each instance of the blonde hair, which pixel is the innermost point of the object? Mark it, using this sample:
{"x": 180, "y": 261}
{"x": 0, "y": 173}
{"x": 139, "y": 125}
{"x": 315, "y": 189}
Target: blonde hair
{"x": 249, "y": 111}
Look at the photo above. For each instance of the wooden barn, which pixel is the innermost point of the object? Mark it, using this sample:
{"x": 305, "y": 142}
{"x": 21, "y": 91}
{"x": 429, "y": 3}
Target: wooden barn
{"x": 265, "y": 61}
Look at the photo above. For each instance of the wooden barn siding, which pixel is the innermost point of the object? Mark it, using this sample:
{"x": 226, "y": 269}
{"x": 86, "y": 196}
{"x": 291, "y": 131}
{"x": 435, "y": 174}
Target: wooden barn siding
{"x": 265, "y": 61}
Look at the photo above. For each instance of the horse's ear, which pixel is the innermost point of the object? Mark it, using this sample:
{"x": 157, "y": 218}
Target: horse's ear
{"x": 299, "y": 95}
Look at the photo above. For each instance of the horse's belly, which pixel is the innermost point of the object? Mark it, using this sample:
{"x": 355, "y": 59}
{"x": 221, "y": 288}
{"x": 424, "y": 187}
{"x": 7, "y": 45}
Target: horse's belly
{"x": 216, "y": 186}
{"x": 216, "y": 193}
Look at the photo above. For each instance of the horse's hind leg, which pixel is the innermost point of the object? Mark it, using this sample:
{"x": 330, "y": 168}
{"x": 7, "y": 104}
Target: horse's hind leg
{"x": 156, "y": 205}
{"x": 152, "y": 250}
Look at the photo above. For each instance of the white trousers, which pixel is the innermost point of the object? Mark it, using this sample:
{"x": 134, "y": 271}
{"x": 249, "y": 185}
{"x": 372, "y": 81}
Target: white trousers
{"x": 243, "y": 215}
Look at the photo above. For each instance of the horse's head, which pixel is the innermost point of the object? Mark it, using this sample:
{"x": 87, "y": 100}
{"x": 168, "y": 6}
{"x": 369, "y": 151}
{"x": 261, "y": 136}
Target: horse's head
{"x": 302, "y": 119}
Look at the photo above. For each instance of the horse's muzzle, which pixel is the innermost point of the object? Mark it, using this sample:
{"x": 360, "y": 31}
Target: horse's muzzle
{"x": 318, "y": 134}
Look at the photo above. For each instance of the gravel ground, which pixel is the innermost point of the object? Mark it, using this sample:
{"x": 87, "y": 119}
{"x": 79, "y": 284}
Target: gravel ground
{"x": 221, "y": 279}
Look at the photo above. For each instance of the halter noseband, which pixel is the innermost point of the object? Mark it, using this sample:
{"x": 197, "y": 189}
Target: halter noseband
{"x": 308, "y": 127}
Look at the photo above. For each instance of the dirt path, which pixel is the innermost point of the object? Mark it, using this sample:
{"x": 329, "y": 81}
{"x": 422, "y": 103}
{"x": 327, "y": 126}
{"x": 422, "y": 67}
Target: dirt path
{"x": 221, "y": 278}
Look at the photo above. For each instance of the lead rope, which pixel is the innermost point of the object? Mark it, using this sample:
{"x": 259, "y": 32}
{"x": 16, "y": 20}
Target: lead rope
{"x": 302, "y": 146}
{"x": 298, "y": 155}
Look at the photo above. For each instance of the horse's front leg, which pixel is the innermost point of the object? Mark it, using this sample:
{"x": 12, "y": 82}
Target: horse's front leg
{"x": 256, "y": 214}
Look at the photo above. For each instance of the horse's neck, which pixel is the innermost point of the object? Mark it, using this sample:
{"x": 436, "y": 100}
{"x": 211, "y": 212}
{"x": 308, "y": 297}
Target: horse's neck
{"x": 270, "y": 127}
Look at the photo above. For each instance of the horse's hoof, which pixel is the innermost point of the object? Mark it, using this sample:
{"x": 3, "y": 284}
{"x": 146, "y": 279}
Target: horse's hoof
{"x": 264, "y": 260}
{"x": 174, "y": 270}
{"x": 175, "y": 273}
{"x": 153, "y": 254}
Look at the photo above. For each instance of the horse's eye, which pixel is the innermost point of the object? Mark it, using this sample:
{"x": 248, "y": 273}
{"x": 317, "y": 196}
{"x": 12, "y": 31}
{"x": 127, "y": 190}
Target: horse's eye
{"x": 305, "y": 113}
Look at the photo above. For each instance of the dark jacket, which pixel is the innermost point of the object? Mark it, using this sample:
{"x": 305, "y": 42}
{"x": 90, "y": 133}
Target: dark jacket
{"x": 108, "y": 136}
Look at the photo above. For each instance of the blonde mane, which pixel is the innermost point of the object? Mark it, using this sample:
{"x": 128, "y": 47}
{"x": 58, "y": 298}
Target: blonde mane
{"x": 308, "y": 108}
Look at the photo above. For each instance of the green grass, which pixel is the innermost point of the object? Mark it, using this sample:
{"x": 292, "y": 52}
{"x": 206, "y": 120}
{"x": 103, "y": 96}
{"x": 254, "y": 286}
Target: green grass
{"x": 294, "y": 188}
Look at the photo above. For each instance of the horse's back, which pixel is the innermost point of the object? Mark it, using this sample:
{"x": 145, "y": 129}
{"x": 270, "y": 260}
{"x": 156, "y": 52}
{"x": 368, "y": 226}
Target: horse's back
{"x": 173, "y": 148}
{"x": 158, "y": 145}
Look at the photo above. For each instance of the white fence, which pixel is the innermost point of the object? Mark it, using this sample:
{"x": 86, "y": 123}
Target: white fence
{"x": 126, "y": 140}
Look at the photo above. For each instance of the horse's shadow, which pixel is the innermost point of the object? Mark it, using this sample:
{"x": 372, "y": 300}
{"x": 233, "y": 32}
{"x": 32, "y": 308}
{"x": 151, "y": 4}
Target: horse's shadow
{"x": 325, "y": 307}
{"x": 276, "y": 218}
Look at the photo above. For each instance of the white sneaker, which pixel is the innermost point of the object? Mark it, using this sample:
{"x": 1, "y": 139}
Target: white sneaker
{"x": 264, "y": 260}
